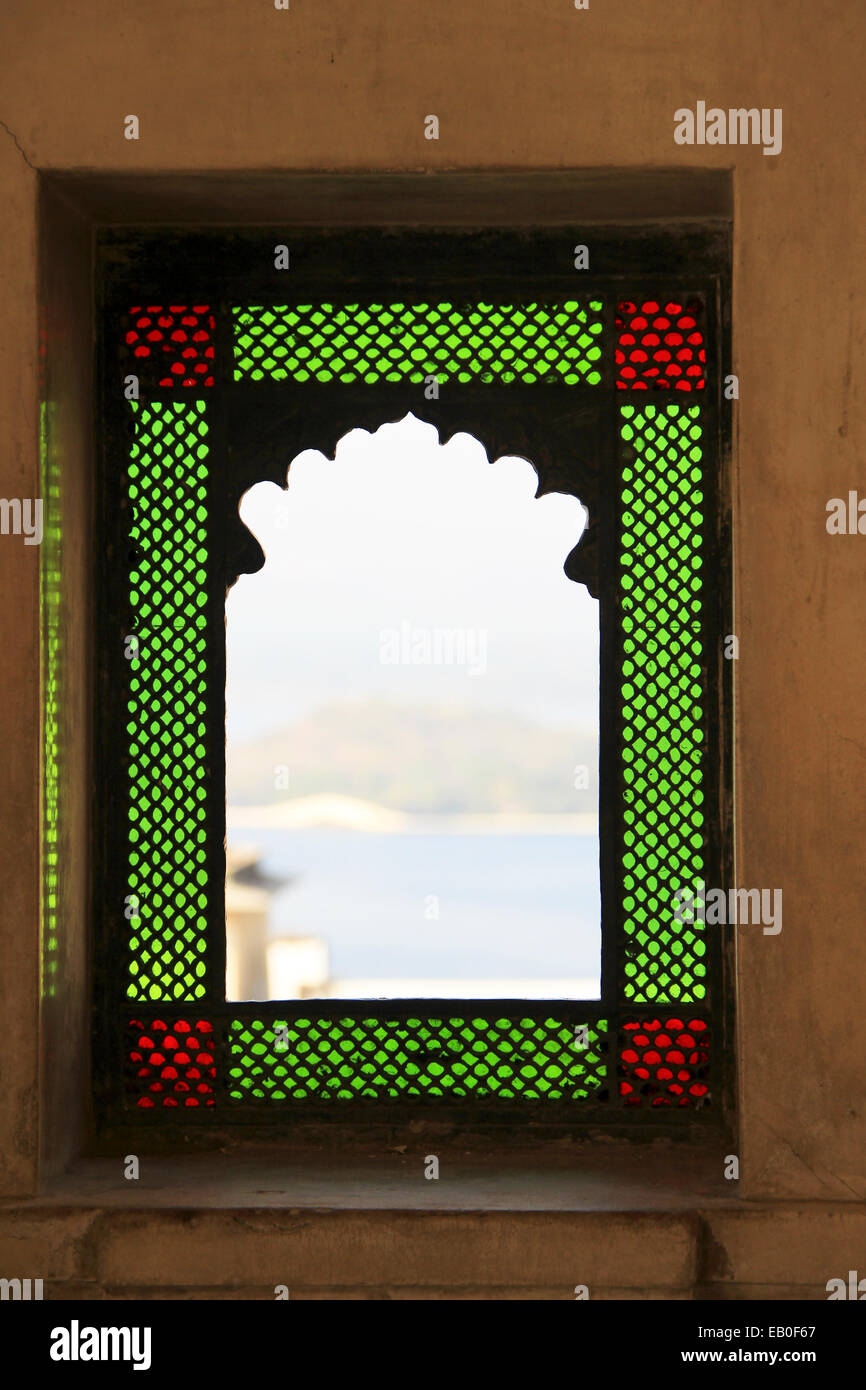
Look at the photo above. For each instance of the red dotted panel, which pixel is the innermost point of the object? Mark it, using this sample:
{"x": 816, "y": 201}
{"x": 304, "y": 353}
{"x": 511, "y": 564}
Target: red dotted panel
{"x": 660, "y": 346}
{"x": 171, "y": 345}
{"x": 170, "y": 1065}
{"x": 664, "y": 1062}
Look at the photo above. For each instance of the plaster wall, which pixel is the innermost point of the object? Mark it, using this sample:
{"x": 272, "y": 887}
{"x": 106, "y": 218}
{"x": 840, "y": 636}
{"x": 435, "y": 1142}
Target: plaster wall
{"x": 520, "y": 84}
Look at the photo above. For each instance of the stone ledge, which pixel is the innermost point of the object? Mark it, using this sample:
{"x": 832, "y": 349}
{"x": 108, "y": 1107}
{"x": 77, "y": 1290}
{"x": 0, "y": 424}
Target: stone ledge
{"x": 91, "y": 1292}
{"x": 387, "y": 1248}
{"x": 564, "y": 1176}
{"x": 49, "y": 1244}
{"x": 778, "y": 1251}
{"x": 777, "y": 1244}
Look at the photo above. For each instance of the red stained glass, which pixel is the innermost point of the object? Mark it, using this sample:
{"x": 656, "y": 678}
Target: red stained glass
{"x": 660, "y": 346}
{"x": 171, "y": 345}
{"x": 664, "y": 1062}
{"x": 170, "y": 1065}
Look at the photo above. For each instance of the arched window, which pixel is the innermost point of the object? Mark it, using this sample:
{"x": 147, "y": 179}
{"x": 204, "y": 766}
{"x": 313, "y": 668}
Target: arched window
{"x": 219, "y": 368}
{"x": 412, "y": 732}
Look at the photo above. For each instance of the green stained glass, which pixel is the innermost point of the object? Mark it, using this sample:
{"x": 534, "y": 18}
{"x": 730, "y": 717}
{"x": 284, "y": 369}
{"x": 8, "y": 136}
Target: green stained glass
{"x": 51, "y": 583}
{"x": 342, "y": 1059}
{"x": 661, "y": 580}
{"x": 166, "y": 711}
{"x": 407, "y": 342}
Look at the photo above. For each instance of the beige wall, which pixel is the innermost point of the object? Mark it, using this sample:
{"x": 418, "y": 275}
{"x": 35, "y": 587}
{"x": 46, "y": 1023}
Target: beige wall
{"x": 536, "y": 85}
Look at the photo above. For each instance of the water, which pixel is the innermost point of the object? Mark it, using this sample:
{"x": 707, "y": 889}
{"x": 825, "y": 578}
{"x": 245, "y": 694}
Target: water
{"x": 511, "y": 906}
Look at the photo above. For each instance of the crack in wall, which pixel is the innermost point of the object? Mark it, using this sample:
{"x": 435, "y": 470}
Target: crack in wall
{"x": 19, "y": 147}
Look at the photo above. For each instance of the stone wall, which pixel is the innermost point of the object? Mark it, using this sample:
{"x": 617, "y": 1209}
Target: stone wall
{"x": 520, "y": 85}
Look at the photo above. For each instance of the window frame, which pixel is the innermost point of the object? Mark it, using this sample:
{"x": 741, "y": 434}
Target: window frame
{"x": 250, "y": 423}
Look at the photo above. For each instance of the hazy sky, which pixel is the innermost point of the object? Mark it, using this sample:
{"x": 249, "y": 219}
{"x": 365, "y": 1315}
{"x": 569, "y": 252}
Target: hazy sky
{"x": 395, "y": 539}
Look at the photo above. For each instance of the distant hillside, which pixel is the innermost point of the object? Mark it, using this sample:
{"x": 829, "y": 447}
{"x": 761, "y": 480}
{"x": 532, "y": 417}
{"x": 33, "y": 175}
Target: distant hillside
{"x": 422, "y": 759}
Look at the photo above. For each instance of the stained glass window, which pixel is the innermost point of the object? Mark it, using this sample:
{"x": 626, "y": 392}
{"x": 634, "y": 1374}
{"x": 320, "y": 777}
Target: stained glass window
{"x": 406, "y": 342}
{"x": 217, "y": 377}
{"x": 166, "y": 711}
{"x": 662, "y": 693}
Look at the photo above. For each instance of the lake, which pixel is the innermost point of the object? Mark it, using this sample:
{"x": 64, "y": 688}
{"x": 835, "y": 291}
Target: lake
{"x": 440, "y": 906}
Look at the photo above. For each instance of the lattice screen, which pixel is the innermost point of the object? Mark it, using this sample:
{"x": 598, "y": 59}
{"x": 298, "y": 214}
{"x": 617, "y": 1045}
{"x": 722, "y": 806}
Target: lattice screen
{"x": 665, "y": 1062}
{"x": 167, "y": 710}
{"x": 406, "y": 342}
{"x": 171, "y": 345}
{"x": 654, "y": 1050}
{"x": 416, "y": 1059}
{"x": 660, "y": 346}
{"x": 662, "y": 737}
{"x": 170, "y": 1064}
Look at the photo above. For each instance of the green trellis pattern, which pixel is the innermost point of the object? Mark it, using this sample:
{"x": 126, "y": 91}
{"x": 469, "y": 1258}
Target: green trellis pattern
{"x": 662, "y": 748}
{"x": 435, "y": 1059}
{"x": 51, "y": 584}
{"x": 406, "y": 342}
{"x": 662, "y": 708}
{"x": 167, "y": 902}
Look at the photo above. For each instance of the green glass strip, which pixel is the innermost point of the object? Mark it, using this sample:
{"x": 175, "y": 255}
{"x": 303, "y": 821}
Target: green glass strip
{"x": 408, "y": 342}
{"x": 51, "y": 582}
{"x": 166, "y": 713}
{"x": 454, "y": 1058}
{"x": 661, "y": 586}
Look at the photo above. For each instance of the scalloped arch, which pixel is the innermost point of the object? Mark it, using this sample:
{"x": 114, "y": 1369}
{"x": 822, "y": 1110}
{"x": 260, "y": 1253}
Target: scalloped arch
{"x": 558, "y": 439}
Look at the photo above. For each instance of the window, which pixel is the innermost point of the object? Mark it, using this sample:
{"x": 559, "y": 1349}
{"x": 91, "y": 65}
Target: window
{"x": 217, "y": 368}
{"x": 411, "y": 732}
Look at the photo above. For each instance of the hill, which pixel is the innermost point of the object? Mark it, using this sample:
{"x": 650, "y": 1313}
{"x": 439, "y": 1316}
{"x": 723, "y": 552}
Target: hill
{"x": 419, "y": 759}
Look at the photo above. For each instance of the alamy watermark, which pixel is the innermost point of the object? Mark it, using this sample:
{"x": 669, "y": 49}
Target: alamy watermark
{"x": 855, "y": 1288}
{"x": 22, "y": 1290}
{"x": 846, "y": 518}
{"x": 736, "y": 906}
{"x": 22, "y": 516}
{"x": 77, "y": 1343}
{"x": 434, "y": 646}
{"x": 735, "y": 126}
